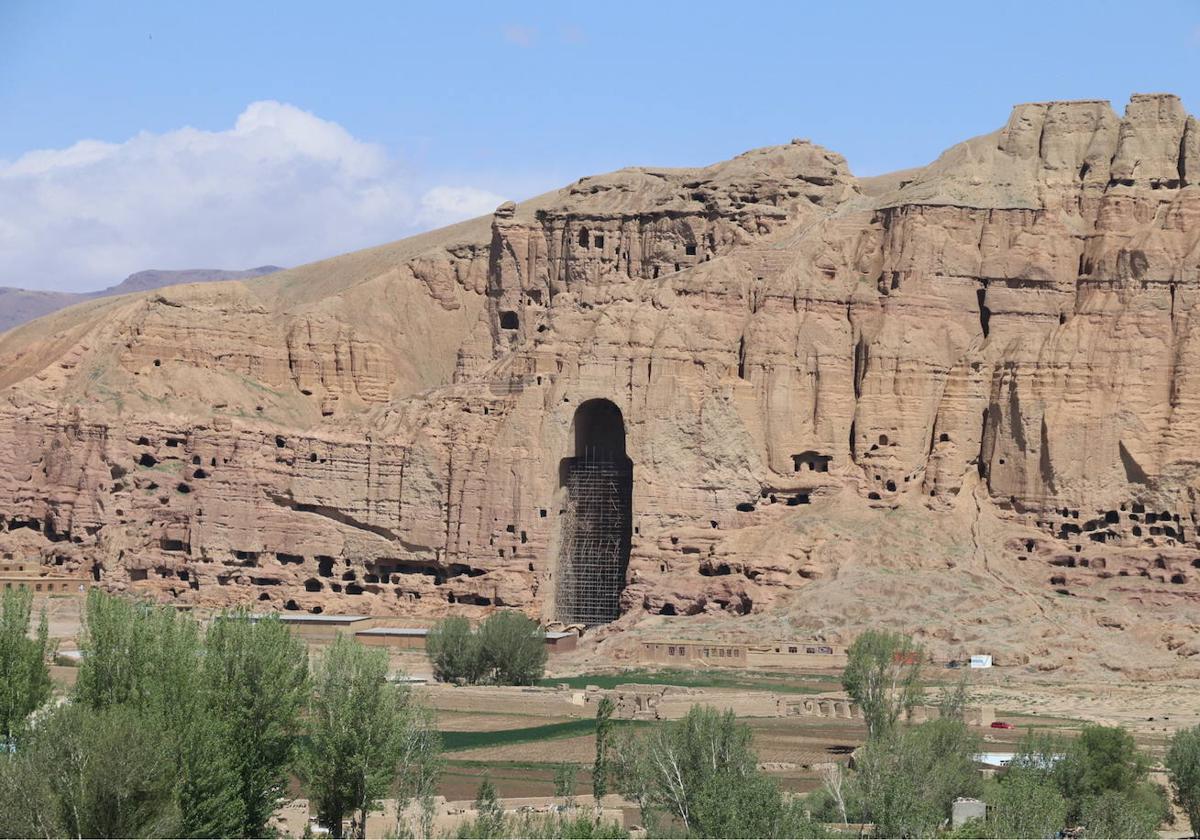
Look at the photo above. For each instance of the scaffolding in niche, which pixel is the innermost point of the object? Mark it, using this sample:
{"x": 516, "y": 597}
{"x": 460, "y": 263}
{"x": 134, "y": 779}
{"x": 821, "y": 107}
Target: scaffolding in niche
{"x": 595, "y": 538}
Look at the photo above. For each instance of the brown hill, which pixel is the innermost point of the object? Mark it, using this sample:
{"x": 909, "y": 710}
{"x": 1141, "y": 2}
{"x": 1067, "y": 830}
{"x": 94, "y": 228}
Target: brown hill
{"x": 959, "y": 402}
{"x": 17, "y": 306}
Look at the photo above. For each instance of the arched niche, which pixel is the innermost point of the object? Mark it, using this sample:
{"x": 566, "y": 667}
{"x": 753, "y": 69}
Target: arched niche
{"x": 598, "y": 517}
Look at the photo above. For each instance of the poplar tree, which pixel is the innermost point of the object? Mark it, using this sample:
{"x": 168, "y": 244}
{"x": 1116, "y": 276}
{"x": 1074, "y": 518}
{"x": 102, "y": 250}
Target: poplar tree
{"x": 360, "y": 734}
{"x": 24, "y": 675}
{"x": 883, "y": 675}
{"x": 255, "y": 679}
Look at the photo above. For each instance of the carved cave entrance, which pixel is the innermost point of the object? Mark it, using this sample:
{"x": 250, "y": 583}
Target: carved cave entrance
{"x": 598, "y": 517}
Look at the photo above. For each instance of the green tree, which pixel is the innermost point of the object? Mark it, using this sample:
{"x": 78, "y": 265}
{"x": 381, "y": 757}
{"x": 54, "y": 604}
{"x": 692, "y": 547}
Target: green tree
{"x": 357, "y": 733}
{"x": 833, "y": 801}
{"x": 1183, "y": 760}
{"x": 634, "y": 773}
{"x": 141, "y": 655}
{"x": 24, "y": 676}
{"x": 255, "y": 678}
{"x": 748, "y": 806}
{"x": 1037, "y": 755}
{"x": 600, "y": 768}
{"x": 27, "y": 804}
{"x": 453, "y": 649}
{"x": 420, "y": 764}
{"x": 102, "y": 773}
{"x": 1098, "y": 781}
{"x": 580, "y": 825}
{"x": 1102, "y": 760}
{"x": 512, "y": 648}
{"x": 1026, "y": 804}
{"x": 883, "y": 675}
{"x": 509, "y": 648}
{"x": 489, "y": 814}
{"x": 907, "y": 779}
{"x": 565, "y": 775}
{"x": 954, "y": 698}
{"x": 150, "y": 658}
{"x": 209, "y": 800}
{"x": 702, "y": 772}
{"x": 1120, "y": 814}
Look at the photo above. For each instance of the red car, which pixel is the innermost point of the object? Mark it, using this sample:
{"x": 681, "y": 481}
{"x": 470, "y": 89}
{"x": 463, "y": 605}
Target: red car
{"x": 999, "y": 724}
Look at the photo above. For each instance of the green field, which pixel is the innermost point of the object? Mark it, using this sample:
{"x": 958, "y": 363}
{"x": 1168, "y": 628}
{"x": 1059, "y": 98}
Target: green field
{"x": 753, "y": 680}
{"x": 453, "y": 741}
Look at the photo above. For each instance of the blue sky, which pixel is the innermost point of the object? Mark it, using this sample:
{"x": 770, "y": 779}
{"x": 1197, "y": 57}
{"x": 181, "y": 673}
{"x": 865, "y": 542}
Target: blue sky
{"x": 443, "y": 108}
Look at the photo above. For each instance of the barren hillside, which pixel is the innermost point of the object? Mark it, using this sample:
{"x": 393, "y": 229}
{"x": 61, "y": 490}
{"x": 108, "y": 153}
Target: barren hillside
{"x": 18, "y": 306}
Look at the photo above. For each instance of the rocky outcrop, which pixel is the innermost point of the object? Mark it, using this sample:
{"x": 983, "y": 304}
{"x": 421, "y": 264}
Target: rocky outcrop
{"x": 968, "y": 390}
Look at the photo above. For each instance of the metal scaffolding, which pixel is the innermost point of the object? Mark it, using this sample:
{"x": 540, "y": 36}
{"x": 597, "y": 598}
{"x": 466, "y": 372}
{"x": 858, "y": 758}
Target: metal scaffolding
{"x": 595, "y": 538}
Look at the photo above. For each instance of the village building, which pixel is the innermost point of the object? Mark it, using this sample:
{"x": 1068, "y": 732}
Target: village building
{"x": 790, "y": 654}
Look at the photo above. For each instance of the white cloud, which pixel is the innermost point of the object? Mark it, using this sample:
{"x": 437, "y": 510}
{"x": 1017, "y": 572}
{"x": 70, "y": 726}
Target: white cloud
{"x": 442, "y": 205}
{"x": 281, "y": 186}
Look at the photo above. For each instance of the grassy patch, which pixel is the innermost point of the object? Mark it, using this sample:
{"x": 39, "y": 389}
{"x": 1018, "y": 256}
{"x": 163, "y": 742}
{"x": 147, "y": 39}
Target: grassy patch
{"x": 757, "y": 681}
{"x": 469, "y": 740}
{"x": 453, "y": 741}
{"x": 462, "y": 765}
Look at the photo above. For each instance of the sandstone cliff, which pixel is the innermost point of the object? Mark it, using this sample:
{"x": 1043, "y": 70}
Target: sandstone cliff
{"x": 962, "y": 401}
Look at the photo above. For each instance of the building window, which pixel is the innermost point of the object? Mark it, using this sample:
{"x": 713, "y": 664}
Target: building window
{"x": 793, "y": 650}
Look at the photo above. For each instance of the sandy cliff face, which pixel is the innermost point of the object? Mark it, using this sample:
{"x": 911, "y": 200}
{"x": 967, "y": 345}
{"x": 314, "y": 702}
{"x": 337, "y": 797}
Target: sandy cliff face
{"x": 962, "y": 401}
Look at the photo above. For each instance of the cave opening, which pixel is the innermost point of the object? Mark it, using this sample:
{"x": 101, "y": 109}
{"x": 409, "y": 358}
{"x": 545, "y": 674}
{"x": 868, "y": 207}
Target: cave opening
{"x": 985, "y": 314}
{"x": 597, "y": 520}
{"x": 811, "y": 461}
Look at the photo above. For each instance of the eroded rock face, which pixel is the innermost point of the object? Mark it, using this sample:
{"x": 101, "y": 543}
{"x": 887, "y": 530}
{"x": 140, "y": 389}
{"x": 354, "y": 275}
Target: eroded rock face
{"x": 980, "y": 382}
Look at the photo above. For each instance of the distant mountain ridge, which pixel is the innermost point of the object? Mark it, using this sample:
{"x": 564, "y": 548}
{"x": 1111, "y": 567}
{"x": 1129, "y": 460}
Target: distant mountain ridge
{"x": 18, "y": 306}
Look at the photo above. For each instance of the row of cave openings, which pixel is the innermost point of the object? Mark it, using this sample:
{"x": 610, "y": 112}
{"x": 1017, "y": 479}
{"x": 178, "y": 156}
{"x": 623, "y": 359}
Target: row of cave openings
{"x": 331, "y": 575}
{"x": 597, "y": 480}
{"x": 1130, "y": 520}
{"x": 588, "y": 240}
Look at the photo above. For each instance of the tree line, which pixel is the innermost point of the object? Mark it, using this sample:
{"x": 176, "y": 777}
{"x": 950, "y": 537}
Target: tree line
{"x": 172, "y": 730}
{"x": 698, "y": 776}
{"x": 177, "y": 730}
{"x": 506, "y": 649}
{"x": 906, "y": 778}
